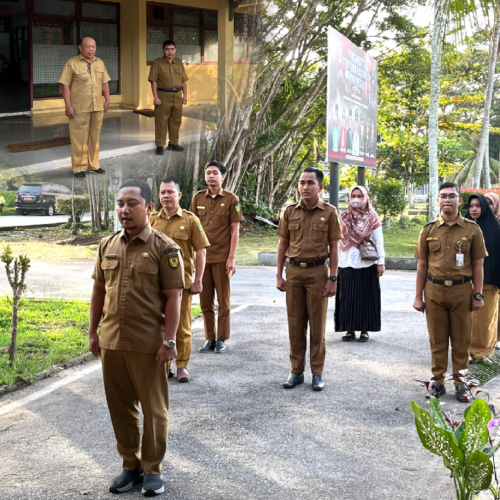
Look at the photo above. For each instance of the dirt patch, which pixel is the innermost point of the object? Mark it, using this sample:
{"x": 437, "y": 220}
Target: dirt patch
{"x": 83, "y": 240}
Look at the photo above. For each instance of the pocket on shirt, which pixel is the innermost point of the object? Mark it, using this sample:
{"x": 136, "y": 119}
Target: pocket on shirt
{"x": 111, "y": 270}
{"x": 99, "y": 71}
{"x": 181, "y": 235}
{"x": 295, "y": 230}
{"x": 464, "y": 247}
{"x": 434, "y": 249}
{"x": 147, "y": 276}
{"x": 319, "y": 233}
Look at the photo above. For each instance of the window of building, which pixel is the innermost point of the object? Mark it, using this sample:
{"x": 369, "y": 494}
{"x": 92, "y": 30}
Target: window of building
{"x": 55, "y": 41}
{"x": 194, "y": 32}
{"x": 245, "y": 38}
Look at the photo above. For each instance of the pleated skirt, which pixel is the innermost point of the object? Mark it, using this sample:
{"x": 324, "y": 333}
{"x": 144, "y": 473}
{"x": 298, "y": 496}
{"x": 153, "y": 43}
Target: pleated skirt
{"x": 357, "y": 301}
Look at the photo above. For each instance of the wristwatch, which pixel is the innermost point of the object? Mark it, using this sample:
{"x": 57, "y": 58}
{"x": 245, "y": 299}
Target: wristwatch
{"x": 478, "y": 296}
{"x": 169, "y": 343}
{"x": 332, "y": 278}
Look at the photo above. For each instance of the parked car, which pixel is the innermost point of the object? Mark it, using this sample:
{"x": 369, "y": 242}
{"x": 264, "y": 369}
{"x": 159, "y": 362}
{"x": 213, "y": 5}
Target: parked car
{"x": 39, "y": 197}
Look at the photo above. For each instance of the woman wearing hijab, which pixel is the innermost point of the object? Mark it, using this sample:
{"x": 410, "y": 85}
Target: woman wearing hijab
{"x": 494, "y": 203}
{"x": 357, "y": 302}
{"x": 484, "y": 321}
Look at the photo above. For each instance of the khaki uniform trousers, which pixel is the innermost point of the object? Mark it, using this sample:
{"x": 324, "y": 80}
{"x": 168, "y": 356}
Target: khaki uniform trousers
{"x": 183, "y": 336}
{"x": 84, "y": 131}
{"x": 168, "y": 117}
{"x": 485, "y": 324}
{"x": 305, "y": 304}
{"x": 449, "y": 318}
{"x": 215, "y": 279}
{"x": 130, "y": 378}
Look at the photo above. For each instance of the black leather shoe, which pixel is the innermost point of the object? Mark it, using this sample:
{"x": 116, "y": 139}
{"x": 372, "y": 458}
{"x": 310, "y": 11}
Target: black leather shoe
{"x": 220, "y": 347}
{"x": 318, "y": 383}
{"x": 293, "y": 380}
{"x": 208, "y": 346}
{"x": 171, "y": 372}
{"x": 80, "y": 176}
{"x": 159, "y": 150}
{"x": 99, "y": 171}
{"x": 436, "y": 391}
{"x": 176, "y": 147}
{"x": 462, "y": 394}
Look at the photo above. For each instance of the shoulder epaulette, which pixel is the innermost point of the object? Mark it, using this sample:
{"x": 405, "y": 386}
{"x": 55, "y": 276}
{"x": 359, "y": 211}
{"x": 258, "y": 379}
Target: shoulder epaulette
{"x": 471, "y": 221}
{"x": 188, "y": 212}
{"x": 431, "y": 222}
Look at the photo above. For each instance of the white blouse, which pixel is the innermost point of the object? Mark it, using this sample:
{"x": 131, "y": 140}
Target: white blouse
{"x": 352, "y": 257}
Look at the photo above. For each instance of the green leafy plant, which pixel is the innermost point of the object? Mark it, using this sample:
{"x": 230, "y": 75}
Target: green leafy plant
{"x": 16, "y": 269}
{"x": 2, "y": 203}
{"x": 388, "y": 197}
{"x": 466, "y": 447}
{"x": 63, "y": 206}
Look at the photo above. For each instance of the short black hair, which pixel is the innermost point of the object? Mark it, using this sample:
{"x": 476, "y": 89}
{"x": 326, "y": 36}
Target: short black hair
{"x": 217, "y": 164}
{"x": 446, "y": 185}
{"x": 172, "y": 178}
{"x": 168, "y": 42}
{"x": 83, "y": 38}
{"x": 146, "y": 192}
{"x": 319, "y": 174}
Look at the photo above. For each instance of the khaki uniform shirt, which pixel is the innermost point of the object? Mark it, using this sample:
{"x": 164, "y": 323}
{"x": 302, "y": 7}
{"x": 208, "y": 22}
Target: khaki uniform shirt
{"x": 309, "y": 233}
{"x": 136, "y": 272}
{"x": 86, "y": 88}
{"x": 186, "y": 230}
{"x": 216, "y": 215}
{"x": 439, "y": 244}
{"x": 168, "y": 75}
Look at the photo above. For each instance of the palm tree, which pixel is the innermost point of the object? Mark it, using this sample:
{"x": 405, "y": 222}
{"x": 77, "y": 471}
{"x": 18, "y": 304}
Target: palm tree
{"x": 487, "y": 103}
{"x": 456, "y": 11}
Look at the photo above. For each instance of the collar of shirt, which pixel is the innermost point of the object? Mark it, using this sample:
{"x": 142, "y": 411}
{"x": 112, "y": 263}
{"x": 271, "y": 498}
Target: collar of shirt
{"x": 143, "y": 235}
{"x": 94, "y": 59}
{"x": 220, "y": 193}
{"x": 166, "y": 59}
{"x": 459, "y": 220}
{"x": 319, "y": 204}
{"x": 162, "y": 213}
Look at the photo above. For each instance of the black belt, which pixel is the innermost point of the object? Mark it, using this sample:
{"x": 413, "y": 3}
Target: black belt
{"x": 449, "y": 282}
{"x": 307, "y": 264}
{"x": 173, "y": 90}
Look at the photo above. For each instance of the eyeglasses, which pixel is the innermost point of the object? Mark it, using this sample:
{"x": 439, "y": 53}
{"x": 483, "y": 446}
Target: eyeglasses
{"x": 89, "y": 71}
{"x": 448, "y": 196}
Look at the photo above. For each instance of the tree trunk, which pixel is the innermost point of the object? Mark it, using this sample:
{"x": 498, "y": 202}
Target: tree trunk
{"x": 437, "y": 46}
{"x": 487, "y": 175}
{"x": 488, "y": 99}
{"x": 411, "y": 203}
{"x": 13, "y": 335}
{"x": 259, "y": 178}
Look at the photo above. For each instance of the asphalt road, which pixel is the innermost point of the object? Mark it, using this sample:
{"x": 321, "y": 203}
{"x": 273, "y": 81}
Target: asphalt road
{"x": 35, "y": 220}
{"x": 234, "y": 432}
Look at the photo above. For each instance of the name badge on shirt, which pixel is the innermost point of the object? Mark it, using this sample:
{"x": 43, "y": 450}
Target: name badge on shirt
{"x": 459, "y": 257}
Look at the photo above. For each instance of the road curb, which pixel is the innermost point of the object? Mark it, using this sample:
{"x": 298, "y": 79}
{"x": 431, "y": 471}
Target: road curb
{"x": 48, "y": 372}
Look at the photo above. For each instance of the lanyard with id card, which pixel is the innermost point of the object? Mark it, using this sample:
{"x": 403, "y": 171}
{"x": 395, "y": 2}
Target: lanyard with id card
{"x": 459, "y": 257}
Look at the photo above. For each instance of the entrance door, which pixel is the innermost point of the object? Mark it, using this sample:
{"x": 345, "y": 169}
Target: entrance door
{"x": 14, "y": 65}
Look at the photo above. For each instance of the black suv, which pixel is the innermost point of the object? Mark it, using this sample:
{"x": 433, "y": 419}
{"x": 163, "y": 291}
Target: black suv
{"x": 39, "y": 197}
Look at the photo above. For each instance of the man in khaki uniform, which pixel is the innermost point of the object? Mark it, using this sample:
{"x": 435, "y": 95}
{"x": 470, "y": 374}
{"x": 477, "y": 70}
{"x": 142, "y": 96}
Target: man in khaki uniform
{"x": 450, "y": 255}
{"x": 220, "y": 215}
{"x": 168, "y": 78}
{"x": 85, "y": 81}
{"x": 186, "y": 230}
{"x": 309, "y": 233}
{"x": 138, "y": 283}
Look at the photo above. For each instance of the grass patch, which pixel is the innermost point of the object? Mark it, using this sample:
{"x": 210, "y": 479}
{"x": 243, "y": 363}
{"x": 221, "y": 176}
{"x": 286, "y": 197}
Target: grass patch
{"x": 401, "y": 242}
{"x": 49, "y": 332}
{"x": 251, "y": 244}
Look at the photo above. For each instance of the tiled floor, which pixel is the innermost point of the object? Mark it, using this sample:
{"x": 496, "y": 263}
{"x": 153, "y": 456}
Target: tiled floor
{"x": 121, "y": 129}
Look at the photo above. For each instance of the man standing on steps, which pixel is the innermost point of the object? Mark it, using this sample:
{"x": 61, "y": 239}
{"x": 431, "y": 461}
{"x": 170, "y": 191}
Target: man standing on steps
{"x": 138, "y": 283}
{"x": 309, "y": 234}
{"x": 85, "y": 81}
{"x": 220, "y": 215}
{"x": 168, "y": 79}
{"x": 186, "y": 230}
{"x": 450, "y": 255}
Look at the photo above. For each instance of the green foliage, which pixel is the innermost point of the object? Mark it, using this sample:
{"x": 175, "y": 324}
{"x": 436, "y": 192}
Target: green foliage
{"x": 388, "y": 197}
{"x": 81, "y": 203}
{"x": 9, "y": 198}
{"x": 463, "y": 449}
